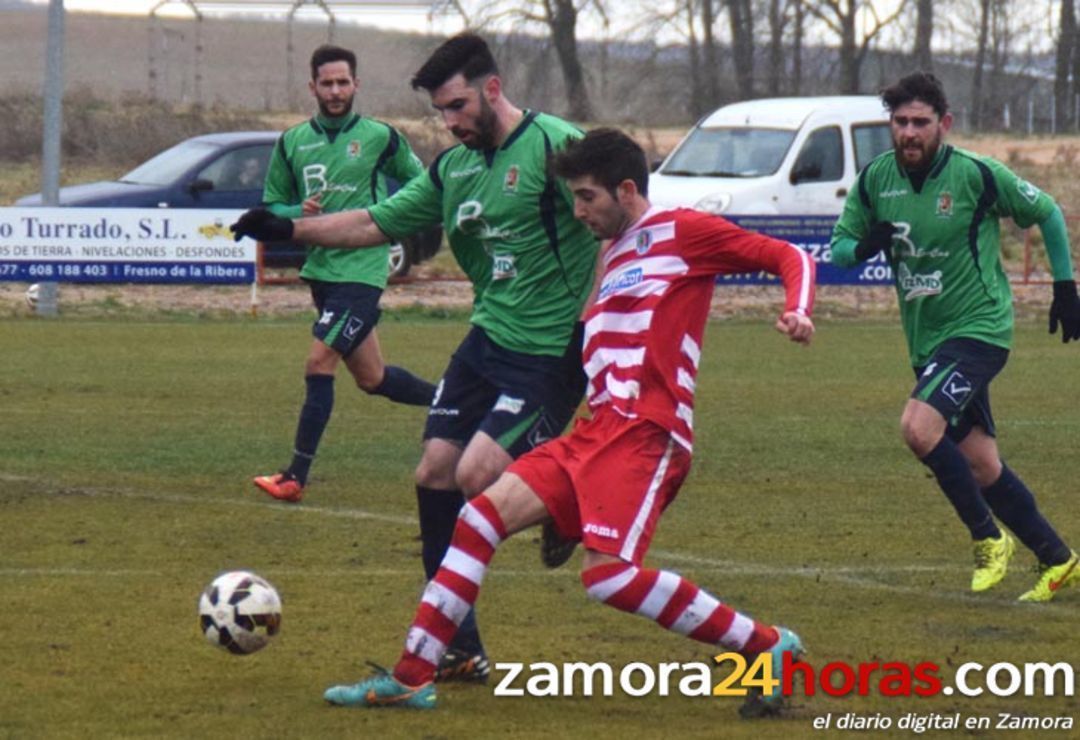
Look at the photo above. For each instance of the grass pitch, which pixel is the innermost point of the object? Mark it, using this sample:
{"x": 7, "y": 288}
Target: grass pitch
{"x": 126, "y": 450}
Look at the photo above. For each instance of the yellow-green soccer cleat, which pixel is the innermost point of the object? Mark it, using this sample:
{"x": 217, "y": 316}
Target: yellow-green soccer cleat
{"x": 382, "y": 690}
{"x": 991, "y": 561}
{"x": 1053, "y": 578}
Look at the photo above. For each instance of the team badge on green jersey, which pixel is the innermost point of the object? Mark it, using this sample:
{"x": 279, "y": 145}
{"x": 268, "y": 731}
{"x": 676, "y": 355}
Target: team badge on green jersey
{"x": 1027, "y": 190}
{"x": 944, "y": 204}
{"x": 354, "y": 149}
{"x": 510, "y": 182}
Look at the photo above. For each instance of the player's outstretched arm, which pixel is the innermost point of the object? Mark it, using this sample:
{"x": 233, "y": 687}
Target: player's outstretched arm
{"x": 1065, "y": 307}
{"x": 797, "y": 326}
{"x": 342, "y": 229}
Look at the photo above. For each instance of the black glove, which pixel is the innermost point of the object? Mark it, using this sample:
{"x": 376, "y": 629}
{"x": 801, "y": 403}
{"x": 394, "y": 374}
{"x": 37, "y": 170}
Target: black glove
{"x": 263, "y": 226}
{"x": 877, "y": 239}
{"x": 1065, "y": 309}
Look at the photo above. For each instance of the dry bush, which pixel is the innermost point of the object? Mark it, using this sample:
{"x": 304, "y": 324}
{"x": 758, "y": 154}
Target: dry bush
{"x": 127, "y": 131}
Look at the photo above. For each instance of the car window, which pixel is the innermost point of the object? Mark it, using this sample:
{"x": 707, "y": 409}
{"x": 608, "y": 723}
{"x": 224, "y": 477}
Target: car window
{"x": 821, "y": 158}
{"x": 239, "y": 169}
{"x": 871, "y": 139}
{"x": 167, "y": 167}
{"x": 730, "y": 152}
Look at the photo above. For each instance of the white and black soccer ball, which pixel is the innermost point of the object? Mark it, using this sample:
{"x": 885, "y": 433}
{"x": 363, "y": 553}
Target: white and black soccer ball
{"x": 33, "y": 295}
{"x": 240, "y": 611}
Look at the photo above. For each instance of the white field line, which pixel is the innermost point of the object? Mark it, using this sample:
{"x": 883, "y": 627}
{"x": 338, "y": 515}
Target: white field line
{"x": 853, "y": 576}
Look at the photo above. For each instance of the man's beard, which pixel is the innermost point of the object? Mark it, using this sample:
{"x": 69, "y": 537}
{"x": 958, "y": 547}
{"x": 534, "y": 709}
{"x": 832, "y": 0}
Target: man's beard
{"x": 325, "y": 111}
{"x": 484, "y": 136}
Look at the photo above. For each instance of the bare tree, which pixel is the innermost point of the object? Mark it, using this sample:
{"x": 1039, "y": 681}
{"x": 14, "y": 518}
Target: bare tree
{"x": 924, "y": 32}
{"x": 840, "y": 17}
{"x": 741, "y": 18}
{"x": 977, "y": 102}
{"x": 1066, "y": 51}
{"x": 560, "y": 18}
{"x": 712, "y": 62}
{"x": 797, "y": 46}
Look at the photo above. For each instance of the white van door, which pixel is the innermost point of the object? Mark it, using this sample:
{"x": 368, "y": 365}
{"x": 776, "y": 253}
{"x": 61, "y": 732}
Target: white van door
{"x": 818, "y": 185}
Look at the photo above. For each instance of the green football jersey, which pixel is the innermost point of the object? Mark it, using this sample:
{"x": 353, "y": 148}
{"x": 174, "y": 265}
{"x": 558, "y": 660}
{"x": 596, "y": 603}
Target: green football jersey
{"x": 512, "y": 229}
{"x": 348, "y": 162}
{"x": 946, "y": 253}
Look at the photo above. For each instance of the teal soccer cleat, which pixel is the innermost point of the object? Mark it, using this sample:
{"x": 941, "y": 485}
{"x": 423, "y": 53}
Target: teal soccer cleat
{"x": 758, "y": 704}
{"x": 382, "y": 690}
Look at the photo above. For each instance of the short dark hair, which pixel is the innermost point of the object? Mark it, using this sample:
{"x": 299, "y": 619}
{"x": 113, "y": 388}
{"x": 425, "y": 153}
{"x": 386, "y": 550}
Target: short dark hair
{"x": 329, "y": 53}
{"x": 921, "y": 86}
{"x": 608, "y": 156}
{"x": 466, "y": 53}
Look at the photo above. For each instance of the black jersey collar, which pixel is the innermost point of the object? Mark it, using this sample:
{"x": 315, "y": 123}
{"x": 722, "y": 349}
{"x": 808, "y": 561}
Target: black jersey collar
{"x": 526, "y": 120}
{"x": 331, "y": 127}
{"x": 937, "y": 164}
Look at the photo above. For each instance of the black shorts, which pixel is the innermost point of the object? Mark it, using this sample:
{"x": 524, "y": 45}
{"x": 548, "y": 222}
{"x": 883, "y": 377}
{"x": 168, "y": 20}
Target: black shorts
{"x": 956, "y": 382}
{"x": 517, "y": 399}
{"x": 347, "y": 313}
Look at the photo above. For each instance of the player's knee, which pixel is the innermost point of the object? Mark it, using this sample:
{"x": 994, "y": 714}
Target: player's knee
{"x": 986, "y": 470}
{"x": 919, "y": 438}
{"x": 472, "y": 480}
{"x": 434, "y": 473}
{"x": 368, "y": 382}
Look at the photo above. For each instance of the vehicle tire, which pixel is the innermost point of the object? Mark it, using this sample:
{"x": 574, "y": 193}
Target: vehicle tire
{"x": 400, "y": 261}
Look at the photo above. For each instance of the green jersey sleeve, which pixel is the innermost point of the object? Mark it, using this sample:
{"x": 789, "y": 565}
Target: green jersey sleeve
{"x": 853, "y": 223}
{"x": 280, "y": 193}
{"x": 403, "y": 165}
{"x": 1017, "y": 198}
{"x": 416, "y": 206}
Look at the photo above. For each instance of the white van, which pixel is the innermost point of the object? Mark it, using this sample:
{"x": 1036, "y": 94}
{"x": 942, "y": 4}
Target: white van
{"x": 774, "y": 156}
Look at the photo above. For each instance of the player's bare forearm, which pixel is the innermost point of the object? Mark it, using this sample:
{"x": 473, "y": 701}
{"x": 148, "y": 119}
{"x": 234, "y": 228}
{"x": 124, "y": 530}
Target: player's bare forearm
{"x": 342, "y": 229}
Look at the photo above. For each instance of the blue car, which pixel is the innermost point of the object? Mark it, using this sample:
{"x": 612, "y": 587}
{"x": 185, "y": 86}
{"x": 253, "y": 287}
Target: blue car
{"x": 223, "y": 170}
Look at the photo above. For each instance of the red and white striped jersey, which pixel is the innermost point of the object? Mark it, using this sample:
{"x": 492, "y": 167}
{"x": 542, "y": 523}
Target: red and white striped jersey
{"x": 643, "y": 334}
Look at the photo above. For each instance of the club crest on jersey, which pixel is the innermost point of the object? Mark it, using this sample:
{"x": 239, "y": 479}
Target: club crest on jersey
{"x": 643, "y": 241}
{"x": 353, "y": 150}
{"x": 510, "y": 182}
{"x": 944, "y": 205}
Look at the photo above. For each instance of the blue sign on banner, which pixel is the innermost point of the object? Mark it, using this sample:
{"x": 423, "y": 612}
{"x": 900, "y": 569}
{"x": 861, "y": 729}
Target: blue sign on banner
{"x": 813, "y": 234}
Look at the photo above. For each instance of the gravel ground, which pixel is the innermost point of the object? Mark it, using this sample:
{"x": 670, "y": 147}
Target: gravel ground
{"x": 438, "y": 296}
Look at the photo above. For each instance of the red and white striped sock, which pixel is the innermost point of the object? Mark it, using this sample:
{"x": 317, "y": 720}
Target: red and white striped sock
{"x": 678, "y": 605}
{"x": 452, "y": 592}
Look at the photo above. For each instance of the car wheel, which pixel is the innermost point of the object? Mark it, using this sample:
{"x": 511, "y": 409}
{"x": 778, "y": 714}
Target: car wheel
{"x": 399, "y": 261}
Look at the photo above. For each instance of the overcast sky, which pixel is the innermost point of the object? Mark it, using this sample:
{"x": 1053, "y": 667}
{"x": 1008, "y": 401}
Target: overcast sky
{"x": 386, "y": 16}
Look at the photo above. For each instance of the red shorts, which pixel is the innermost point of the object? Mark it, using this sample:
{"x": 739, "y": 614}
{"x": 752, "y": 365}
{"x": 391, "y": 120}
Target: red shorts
{"x": 607, "y": 481}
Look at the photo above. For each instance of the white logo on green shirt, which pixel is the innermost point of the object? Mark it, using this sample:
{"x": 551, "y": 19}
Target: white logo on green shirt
{"x": 502, "y": 267}
{"x": 914, "y": 285}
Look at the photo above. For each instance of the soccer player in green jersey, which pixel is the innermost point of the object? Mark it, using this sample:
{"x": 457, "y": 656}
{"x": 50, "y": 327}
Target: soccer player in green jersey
{"x": 933, "y": 212}
{"x": 516, "y": 379}
{"x": 332, "y": 162}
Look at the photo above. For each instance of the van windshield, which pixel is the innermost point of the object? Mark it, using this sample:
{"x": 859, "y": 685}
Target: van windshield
{"x": 730, "y": 152}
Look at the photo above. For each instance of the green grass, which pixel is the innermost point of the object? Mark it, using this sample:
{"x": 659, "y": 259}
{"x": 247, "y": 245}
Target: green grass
{"x": 126, "y": 449}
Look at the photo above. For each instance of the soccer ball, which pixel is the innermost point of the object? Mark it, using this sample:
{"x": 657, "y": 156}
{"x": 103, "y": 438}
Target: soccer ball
{"x": 33, "y": 295}
{"x": 240, "y": 611}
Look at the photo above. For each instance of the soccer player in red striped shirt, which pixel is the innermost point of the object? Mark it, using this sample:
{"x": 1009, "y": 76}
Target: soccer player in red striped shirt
{"x": 607, "y": 482}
